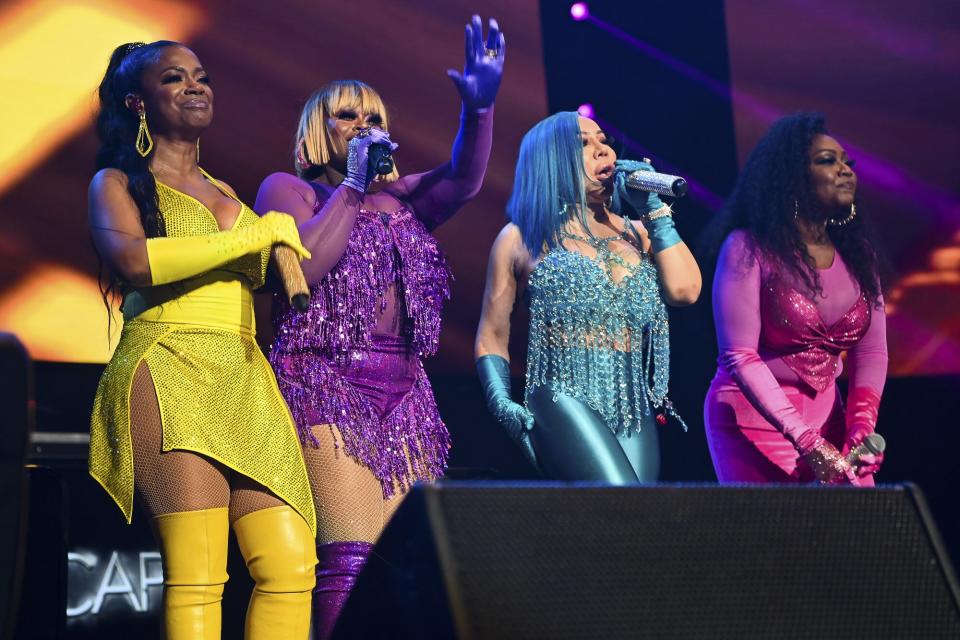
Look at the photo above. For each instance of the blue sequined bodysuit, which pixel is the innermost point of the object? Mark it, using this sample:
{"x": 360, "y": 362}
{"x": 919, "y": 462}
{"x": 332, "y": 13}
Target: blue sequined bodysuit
{"x": 602, "y": 342}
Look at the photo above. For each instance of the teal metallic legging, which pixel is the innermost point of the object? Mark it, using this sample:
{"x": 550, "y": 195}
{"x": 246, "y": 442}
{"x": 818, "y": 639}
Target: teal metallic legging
{"x": 572, "y": 442}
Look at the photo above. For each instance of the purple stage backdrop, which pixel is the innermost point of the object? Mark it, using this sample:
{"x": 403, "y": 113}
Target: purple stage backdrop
{"x": 885, "y": 77}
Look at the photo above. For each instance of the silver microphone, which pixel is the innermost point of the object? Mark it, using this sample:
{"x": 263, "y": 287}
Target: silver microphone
{"x": 872, "y": 444}
{"x": 661, "y": 183}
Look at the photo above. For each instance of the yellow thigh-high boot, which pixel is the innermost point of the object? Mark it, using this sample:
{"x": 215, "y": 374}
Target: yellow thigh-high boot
{"x": 279, "y": 550}
{"x": 194, "y": 549}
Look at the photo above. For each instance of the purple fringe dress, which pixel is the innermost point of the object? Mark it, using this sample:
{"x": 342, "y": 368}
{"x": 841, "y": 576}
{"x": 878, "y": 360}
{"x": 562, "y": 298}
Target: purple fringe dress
{"x": 353, "y": 358}
{"x": 333, "y": 369}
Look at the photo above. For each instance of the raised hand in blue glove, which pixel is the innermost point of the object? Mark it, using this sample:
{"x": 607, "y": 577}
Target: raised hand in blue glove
{"x": 494, "y": 372}
{"x": 642, "y": 202}
{"x": 483, "y": 68}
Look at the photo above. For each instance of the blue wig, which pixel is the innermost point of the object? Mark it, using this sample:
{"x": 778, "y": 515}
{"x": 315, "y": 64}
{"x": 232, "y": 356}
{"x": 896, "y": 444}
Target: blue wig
{"x": 548, "y": 186}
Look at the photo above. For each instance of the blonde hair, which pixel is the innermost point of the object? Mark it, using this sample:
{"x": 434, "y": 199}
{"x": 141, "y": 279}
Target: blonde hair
{"x": 313, "y": 143}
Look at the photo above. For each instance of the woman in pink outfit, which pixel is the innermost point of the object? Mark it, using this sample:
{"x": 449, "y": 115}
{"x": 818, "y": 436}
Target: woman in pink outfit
{"x": 797, "y": 284}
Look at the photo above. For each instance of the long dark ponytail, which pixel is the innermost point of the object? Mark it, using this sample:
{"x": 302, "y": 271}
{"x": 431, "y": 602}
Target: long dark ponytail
{"x": 117, "y": 127}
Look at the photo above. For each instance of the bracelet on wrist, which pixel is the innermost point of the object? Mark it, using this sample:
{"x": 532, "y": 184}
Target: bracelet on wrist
{"x": 662, "y": 212}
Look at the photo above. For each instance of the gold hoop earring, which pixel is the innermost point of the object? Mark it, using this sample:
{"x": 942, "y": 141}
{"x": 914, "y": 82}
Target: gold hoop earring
{"x": 143, "y": 143}
{"x": 842, "y": 223}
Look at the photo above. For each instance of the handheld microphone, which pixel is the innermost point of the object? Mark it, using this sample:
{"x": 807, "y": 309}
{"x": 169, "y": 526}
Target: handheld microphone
{"x": 872, "y": 444}
{"x": 294, "y": 283}
{"x": 660, "y": 183}
{"x": 379, "y": 160}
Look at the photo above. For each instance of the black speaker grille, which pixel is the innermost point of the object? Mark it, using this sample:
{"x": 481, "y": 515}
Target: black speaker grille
{"x": 677, "y": 562}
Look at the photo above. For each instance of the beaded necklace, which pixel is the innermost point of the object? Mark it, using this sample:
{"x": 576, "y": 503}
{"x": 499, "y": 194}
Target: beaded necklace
{"x": 597, "y": 340}
{"x": 605, "y": 257}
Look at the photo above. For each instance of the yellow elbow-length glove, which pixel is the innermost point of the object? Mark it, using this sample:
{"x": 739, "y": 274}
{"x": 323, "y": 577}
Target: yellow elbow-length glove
{"x": 173, "y": 259}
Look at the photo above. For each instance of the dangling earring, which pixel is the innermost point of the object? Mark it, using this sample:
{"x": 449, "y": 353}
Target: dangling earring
{"x": 143, "y": 143}
{"x": 841, "y": 223}
{"x": 198, "y": 151}
{"x": 796, "y": 210}
{"x": 301, "y": 158}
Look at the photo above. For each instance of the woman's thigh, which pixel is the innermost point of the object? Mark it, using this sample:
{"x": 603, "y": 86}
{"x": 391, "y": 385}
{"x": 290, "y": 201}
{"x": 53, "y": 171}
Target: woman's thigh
{"x": 572, "y": 442}
{"x": 347, "y": 496}
{"x": 171, "y": 481}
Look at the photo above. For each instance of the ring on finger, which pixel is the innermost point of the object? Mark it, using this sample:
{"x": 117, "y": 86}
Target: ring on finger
{"x": 491, "y": 53}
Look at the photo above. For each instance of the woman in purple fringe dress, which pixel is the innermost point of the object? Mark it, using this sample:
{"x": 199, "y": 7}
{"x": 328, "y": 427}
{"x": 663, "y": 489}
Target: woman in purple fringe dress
{"x": 349, "y": 367}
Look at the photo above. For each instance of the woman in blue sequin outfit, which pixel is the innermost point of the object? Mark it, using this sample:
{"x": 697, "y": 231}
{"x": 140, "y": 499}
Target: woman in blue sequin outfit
{"x": 596, "y": 284}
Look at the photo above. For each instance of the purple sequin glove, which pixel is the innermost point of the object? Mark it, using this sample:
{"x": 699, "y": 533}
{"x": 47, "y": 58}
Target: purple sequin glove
{"x": 358, "y": 155}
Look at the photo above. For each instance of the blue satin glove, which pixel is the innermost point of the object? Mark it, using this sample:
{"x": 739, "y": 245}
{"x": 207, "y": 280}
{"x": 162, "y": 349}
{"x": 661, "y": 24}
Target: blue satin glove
{"x": 483, "y": 68}
{"x": 662, "y": 230}
{"x": 642, "y": 202}
{"x": 494, "y": 372}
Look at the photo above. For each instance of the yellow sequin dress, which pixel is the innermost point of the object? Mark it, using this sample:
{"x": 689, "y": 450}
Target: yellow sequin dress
{"x": 216, "y": 391}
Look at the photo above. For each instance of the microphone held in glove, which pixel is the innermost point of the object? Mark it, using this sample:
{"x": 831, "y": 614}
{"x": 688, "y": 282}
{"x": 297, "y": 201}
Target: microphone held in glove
{"x": 873, "y": 444}
{"x": 660, "y": 183}
{"x": 379, "y": 160}
{"x": 294, "y": 283}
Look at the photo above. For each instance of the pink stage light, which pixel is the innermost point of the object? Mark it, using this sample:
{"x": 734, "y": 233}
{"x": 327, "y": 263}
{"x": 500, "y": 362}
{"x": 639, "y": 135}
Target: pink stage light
{"x": 586, "y": 110}
{"x": 579, "y": 11}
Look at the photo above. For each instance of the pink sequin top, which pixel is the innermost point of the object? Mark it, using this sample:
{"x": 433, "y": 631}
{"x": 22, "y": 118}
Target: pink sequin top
{"x": 770, "y": 331}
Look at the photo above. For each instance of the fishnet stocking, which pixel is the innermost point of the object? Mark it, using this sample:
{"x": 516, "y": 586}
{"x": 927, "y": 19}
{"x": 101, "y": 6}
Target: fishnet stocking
{"x": 174, "y": 481}
{"x": 247, "y": 496}
{"x": 347, "y": 496}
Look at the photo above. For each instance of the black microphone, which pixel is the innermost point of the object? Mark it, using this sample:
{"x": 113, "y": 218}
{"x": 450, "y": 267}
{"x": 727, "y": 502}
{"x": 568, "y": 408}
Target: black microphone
{"x": 660, "y": 183}
{"x": 872, "y": 444}
{"x": 379, "y": 160}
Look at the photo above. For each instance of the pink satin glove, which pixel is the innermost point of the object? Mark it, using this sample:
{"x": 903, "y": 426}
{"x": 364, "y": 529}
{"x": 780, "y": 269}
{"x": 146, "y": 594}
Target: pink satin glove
{"x": 863, "y": 404}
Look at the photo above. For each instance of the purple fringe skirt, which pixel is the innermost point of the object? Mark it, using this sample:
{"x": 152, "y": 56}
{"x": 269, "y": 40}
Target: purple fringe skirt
{"x": 380, "y": 401}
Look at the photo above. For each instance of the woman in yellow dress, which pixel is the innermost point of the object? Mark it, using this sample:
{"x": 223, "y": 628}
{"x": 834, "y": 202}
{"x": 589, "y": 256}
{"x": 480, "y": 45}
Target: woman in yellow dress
{"x": 188, "y": 415}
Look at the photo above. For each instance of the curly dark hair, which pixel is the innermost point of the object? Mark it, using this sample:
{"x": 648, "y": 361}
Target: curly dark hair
{"x": 117, "y": 126}
{"x": 774, "y": 178}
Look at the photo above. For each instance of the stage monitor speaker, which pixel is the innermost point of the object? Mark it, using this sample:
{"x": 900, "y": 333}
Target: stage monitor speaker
{"x": 16, "y": 394}
{"x": 479, "y": 561}
{"x": 43, "y": 592}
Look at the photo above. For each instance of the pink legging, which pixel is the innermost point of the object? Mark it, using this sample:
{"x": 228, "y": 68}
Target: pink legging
{"x": 745, "y": 447}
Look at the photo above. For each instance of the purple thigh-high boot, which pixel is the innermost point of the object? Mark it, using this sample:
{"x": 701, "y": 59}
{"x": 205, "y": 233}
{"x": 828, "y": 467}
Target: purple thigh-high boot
{"x": 338, "y": 565}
